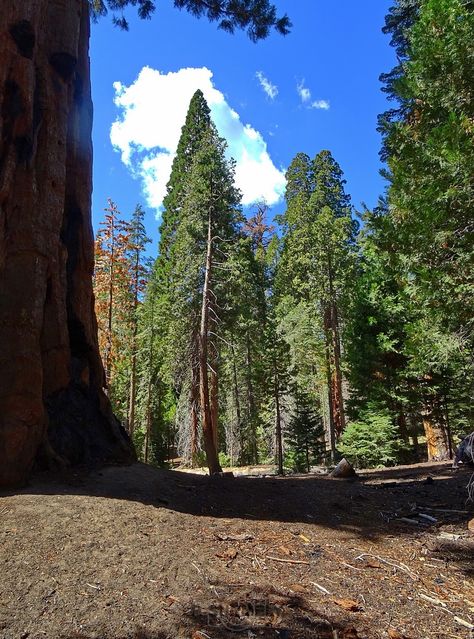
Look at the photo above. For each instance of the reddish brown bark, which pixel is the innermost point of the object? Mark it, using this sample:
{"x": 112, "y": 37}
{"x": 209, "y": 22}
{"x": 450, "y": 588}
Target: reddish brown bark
{"x": 214, "y": 399}
{"x": 338, "y": 399}
{"x": 278, "y": 429}
{"x": 209, "y": 434}
{"x": 436, "y": 433}
{"x": 194, "y": 400}
{"x": 51, "y": 376}
{"x": 333, "y": 362}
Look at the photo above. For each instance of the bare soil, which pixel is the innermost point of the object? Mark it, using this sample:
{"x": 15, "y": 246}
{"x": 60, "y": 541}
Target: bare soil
{"x": 135, "y": 552}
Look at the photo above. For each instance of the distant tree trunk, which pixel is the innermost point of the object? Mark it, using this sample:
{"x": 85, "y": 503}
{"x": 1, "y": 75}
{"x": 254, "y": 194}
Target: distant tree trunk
{"x": 133, "y": 372}
{"x": 110, "y": 309}
{"x": 436, "y": 432}
{"x": 148, "y": 420}
{"x": 51, "y": 376}
{"x": 206, "y": 412}
{"x": 194, "y": 401}
{"x": 278, "y": 429}
{"x": 329, "y": 377}
{"x": 251, "y": 403}
{"x": 338, "y": 399}
{"x": 236, "y": 394}
{"x": 150, "y": 380}
{"x": 133, "y": 389}
{"x": 333, "y": 321}
{"x": 214, "y": 400}
{"x": 402, "y": 425}
{"x": 436, "y": 439}
{"x": 448, "y": 425}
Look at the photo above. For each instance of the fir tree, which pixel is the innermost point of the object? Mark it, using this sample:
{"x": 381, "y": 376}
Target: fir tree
{"x": 172, "y": 349}
{"x": 316, "y": 265}
{"x": 114, "y": 301}
{"x": 139, "y": 272}
{"x": 305, "y": 433}
{"x": 429, "y": 151}
{"x": 204, "y": 239}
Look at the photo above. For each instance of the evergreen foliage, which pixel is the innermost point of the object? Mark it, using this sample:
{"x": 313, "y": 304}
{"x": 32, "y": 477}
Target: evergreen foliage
{"x": 252, "y": 344}
{"x": 257, "y": 17}
{"x": 305, "y": 435}
{"x": 429, "y": 151}
{"x": 372, "y": 441}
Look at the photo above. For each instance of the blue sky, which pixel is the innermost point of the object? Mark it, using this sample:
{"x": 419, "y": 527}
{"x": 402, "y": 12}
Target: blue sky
{"x": 315, "y": 89}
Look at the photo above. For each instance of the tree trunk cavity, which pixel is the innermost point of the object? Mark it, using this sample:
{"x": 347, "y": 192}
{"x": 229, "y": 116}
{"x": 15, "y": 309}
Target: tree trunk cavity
{"x": 52, "y": 402}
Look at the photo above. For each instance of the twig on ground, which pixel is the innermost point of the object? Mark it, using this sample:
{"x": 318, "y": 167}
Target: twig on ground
{"x": 440, "y": 605}
{"x": 400, "y": 566}
{"x": 288, "y": 561}
{"x": 433, "y": 520}
{"x": 407, "y": 520}
{"x": 343, "y": 563}
{"x": 448, "y": 510}
{"x": 321, "y": 588}
{"x": 432, "y": 600}
{"x": 464, "y": 623}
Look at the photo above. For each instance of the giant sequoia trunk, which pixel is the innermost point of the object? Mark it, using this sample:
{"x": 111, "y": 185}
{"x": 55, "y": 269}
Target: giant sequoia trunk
{"x": 52, "y": 402}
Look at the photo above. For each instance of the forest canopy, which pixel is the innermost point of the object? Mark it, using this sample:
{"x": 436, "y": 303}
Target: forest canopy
{"x": 325, "y": 331}
{"x": 256, "y": 17}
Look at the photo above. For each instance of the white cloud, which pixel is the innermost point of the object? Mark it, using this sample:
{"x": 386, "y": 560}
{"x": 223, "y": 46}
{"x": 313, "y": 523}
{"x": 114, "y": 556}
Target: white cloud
{"x": 270, "y": 89}
{"x": 152, "y": 112}
{"x": 305, "y": 96}
{"x": 321, "y": 104}
{"x": 303, "y": 92}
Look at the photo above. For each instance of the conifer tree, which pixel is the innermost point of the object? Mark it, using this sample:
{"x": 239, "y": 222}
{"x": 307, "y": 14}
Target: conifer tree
{"x": 139, "y": 272}
{"x": 171, "y": 350}
{"x": 112, "y": 290}
{"x": 305, "y": 433}
{"x": 205, "y": 237}
{"x": 428, "y": 146}
{"x": 316, "y": 265}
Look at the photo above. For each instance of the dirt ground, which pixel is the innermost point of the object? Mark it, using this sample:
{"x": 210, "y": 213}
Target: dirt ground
{"x": 141, "y": 553}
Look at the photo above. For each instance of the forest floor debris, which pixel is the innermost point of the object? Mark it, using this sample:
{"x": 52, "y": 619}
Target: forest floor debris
{"x": 122, "y": 553}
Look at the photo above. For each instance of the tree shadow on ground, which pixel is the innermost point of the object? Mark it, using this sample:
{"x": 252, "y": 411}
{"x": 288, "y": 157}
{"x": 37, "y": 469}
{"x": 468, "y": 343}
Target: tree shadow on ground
{"x": 266, "y": 612}
{"x": 251, "y": 611}
{"x": 139, "y": 633}
{"x": 369, "y": 507}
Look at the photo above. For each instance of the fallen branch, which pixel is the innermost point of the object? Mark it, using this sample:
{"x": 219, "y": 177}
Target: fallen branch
{"x": 433, "y": 520}
{"x": 321, "y": 588}
{"x": 464, "y": 623}
{"x": 407, "y": 520}
{"x": 400, "y": 566}
{"x": 432, "y": 600}
{"x": 343, "y": 563}
{"x": 440, "y": 605}
{"x": 288, "y": 561}
{"x": 448, "y": 510}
